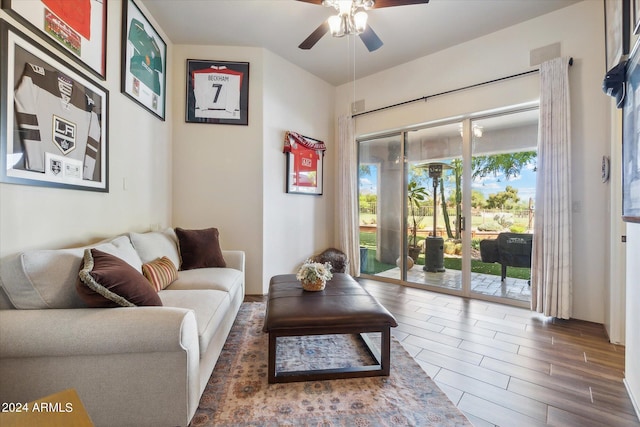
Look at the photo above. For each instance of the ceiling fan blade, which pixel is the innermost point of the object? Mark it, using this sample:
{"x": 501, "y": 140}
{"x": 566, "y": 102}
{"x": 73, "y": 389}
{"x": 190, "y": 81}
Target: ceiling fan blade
{"x": 392, "y": 3}
{"x": 313, "y": 38}
{"x": 312, "y": 1}
{"x": 370, "y": 39}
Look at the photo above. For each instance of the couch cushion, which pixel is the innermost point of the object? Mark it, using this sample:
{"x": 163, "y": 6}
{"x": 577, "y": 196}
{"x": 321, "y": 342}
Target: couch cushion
{"x": 160, "y": 273}
{"x": 209, "y": 306}
{"x": 5, "y": 302}
{"x": 221, "y": 279}
{"x": 108, "y": 281}
{"x": 199, "y": 248}
{"x": 156, "y": 244}
{"x": 122, "y": 248}
{"x": 47, "y": 278}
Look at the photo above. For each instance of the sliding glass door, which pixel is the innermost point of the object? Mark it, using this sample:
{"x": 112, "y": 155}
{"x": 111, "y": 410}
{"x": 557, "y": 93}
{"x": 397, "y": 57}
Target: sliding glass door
{"x": 439, "y": 202}
{"x": 381, "y": 172}
{"x": 434, "y": 206}
{"x": 410, "y": 206}
{"x": 504, "y": 159}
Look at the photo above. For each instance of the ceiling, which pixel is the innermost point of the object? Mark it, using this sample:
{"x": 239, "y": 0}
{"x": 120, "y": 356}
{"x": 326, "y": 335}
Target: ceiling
{"x": 408, "y": 32}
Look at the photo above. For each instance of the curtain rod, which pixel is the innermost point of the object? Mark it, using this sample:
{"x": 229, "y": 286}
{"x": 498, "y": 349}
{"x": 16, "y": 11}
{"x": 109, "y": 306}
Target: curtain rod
{"x": 424, "y": 98}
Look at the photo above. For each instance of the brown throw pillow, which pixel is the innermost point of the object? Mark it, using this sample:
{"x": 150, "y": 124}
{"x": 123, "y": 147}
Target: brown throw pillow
{"x": 200, "y": 248}
{"x": 108, "y": 281}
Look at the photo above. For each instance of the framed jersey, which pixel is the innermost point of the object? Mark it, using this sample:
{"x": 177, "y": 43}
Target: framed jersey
{"x": 77, "y": 28}
{"x": 144, "y": 61}
{"x": 304, "y": 163}
{"x": 217, "y": 92}
{"x": 54, "y": 119}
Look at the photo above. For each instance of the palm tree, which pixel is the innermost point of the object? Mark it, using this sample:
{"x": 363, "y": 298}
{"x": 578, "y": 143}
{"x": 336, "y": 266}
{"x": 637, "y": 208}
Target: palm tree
{"x": 416, "y": 194}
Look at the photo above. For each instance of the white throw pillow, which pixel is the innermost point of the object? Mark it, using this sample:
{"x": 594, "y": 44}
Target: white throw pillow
{"x": 156, "y": 244}
{"x": 39, "y": 279}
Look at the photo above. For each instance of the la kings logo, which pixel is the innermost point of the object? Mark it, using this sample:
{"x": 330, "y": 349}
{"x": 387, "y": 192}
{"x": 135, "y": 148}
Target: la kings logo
{"x": 56, "y": 167}
{"x": 64, "y": 134}
{"x": 64, "y": 131}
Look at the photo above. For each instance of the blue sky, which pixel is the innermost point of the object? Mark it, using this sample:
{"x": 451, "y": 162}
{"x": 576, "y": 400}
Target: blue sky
{"x": 525, "y": 183}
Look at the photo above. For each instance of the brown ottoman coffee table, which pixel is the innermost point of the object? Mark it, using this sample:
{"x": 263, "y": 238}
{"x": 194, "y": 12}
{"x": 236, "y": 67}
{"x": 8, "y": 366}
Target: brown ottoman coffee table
{"x": 343, "y": 307}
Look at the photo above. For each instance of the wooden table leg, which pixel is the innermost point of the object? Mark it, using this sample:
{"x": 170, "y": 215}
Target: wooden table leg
{"x": 272, "y": 357}
{"x": 385, "y": 350}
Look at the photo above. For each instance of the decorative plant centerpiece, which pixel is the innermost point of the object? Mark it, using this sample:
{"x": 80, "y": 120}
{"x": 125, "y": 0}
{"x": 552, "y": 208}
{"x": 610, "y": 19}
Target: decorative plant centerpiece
{"x": 314, "y": 275}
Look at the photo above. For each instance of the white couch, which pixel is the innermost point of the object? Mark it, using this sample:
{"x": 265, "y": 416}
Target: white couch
{"x": 131, "y": 366}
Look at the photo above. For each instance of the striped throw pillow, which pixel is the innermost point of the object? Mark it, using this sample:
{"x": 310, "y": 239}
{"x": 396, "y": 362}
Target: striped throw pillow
{"x": 160, "y": 273}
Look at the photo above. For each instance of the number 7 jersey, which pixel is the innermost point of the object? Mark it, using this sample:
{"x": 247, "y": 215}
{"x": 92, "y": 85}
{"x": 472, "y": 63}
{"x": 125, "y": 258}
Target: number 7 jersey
{"x": 217, "y": 92}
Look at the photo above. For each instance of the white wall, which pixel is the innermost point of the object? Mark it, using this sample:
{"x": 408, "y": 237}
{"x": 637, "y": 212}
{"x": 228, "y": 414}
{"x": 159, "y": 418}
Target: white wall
{"x": 295, "y": 226}
{"x": 139, "y": 152}
{"x": 218, "y": 169}
{"x": 579, "y": 29}
{"x": 632, "y": 362}
{"x": 232, "y": 177}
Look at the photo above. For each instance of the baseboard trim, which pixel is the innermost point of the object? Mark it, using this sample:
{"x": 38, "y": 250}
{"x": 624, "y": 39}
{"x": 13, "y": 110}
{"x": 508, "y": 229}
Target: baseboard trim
{"x": 636, "y": 407}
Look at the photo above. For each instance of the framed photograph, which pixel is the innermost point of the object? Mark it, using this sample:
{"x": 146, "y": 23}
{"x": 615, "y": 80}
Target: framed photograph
{"x": 304, "y": 164}
{"x": 144, "y": 61}
{"x": 217, "y": 92}
{"x": 630, "y": 138}
{"x": 53, "y": 128}
{"x": 78, "y": 29}
{"x": 617, "y": 32}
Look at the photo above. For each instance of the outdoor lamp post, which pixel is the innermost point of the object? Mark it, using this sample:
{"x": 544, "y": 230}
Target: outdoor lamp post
{"x": 434, "y": 245}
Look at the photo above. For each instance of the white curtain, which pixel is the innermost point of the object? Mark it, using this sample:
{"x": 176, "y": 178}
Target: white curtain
{"x": 551, "y": 287}
{"x": 347, "y": 194}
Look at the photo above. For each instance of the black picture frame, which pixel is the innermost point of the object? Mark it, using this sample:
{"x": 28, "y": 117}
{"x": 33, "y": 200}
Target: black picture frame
{"x": 79, "y": 32}
{"x": 71, "y": 151}
{"x": 305, "y": 182}
{"x": 144, "y": 61}
{"x": 617, "y": 30}
{"x": 630, "y": 140}
{"x": 217, "y": 92}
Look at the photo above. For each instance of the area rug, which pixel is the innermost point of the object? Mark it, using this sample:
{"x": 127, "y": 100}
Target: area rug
{"x": 238, "y": 393}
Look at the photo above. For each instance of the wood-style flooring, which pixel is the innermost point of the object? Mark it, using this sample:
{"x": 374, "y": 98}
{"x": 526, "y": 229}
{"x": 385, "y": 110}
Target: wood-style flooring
{"x": 506, "y": 366}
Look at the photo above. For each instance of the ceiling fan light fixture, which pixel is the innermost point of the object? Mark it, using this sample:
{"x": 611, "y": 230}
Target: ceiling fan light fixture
{"x": 360, "y": 22}
{"x": 351, "y": 19}
{"x": 338, "y": 25}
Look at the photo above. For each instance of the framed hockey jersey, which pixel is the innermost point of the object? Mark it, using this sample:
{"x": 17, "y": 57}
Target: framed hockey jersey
{"x": 54, "y": 119}
{"x": 77, "y": 28}
{"x": 144, "y": 61}
{"x": 217, "y": 92}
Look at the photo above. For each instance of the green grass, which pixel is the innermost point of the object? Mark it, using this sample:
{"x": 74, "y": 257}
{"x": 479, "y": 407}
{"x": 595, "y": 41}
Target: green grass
{"x": 368, "y": 240}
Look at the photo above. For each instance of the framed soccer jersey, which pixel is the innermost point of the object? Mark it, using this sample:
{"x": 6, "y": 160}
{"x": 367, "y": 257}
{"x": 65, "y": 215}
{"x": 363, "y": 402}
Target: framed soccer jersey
{"x": 304, "y": 163}
{"x": 217, "y": 92}
{"x": 54, "y": 119}
{"x": 77, "y": 28}
{"x": 144, "y": 61}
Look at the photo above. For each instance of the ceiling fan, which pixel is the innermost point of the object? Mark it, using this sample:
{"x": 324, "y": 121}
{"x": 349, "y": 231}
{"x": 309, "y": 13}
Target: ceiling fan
{"x": 351, "y": 19}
